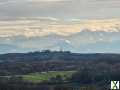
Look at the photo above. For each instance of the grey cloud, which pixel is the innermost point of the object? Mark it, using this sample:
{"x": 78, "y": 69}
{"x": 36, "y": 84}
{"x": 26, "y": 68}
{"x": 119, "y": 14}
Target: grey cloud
{"x": 62, "y": 9}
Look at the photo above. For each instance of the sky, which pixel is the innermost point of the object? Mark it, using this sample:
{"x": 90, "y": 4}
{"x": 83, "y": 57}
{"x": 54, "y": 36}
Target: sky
{"x": 85, "y": 26}
{"x": 63, "y": 9}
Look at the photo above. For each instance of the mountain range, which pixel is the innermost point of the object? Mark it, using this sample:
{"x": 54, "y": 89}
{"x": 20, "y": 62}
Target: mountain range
{"x": 85, "y": 41}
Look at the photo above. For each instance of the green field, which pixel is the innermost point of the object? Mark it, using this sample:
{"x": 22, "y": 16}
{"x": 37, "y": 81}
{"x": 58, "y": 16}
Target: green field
{"x": 45, "y": 76}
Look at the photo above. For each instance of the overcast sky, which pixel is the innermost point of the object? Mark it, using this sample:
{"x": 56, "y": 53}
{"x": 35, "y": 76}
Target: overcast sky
{"x": 65, "y": 9}
{"x": 75, "y": 25}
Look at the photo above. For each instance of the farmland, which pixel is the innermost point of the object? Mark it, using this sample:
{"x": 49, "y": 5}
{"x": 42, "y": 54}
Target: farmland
{"x": 46, "y": 76}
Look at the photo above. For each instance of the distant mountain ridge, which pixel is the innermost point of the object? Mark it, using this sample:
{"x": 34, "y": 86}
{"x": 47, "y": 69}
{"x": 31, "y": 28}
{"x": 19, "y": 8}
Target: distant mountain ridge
{"x": 57, "y": 56}
{"x": 86, "y": 41}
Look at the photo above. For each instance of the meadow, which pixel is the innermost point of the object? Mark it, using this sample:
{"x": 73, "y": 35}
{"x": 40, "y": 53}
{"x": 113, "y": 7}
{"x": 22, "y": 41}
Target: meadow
{"x": 46, "y": 76}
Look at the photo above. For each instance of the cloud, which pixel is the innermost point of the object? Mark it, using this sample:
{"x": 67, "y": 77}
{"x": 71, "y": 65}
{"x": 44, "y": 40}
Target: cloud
{"x": 34, "y": 27}
{"x": 38, "y": 27}
{"x": 45, "y": 0}
{"x": 9, "y": 2}
{"x": 83, "y": 9}
{"x": 38, "y": 33}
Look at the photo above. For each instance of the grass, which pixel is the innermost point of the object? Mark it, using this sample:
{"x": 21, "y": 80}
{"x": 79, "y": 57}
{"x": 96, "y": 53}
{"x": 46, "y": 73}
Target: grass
{"x": 45, "y": 76}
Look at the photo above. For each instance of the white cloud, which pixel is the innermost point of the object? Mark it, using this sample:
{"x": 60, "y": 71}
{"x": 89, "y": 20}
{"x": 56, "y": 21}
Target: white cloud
{"x": 67, "y": 41}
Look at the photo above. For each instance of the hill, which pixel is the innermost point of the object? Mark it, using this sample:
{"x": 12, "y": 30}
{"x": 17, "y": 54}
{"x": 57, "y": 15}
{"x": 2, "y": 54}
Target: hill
{"x": 56, "y": 56}
{"x": 56, "y": 68}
